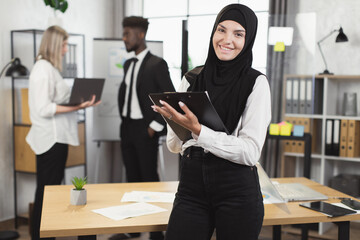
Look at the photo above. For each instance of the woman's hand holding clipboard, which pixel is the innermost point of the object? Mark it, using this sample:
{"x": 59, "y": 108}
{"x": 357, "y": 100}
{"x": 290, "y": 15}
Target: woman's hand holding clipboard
{"x": 198, "y": 104}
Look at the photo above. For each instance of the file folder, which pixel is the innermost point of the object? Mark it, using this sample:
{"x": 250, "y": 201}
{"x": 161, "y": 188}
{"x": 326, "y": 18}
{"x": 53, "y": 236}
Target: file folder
{"x": 294, "y": 144}
{"x": 317, "y": 96}
{"x": 328, "y": 137}
{"x": 299, "y": 144}
{"x": 302, "y": 96}
{"x": 343, "y": 138}
{"x": 288, "y": 107}
{"x": 353, "y": 138}
{"x": 198, "y": 102}
{"x": 287, "y": 143}
{"x": 306, "y": 123}
{"x": 295, "y": 96}
{"x": 336, "y": 138}
{"x": 308, "y": 98}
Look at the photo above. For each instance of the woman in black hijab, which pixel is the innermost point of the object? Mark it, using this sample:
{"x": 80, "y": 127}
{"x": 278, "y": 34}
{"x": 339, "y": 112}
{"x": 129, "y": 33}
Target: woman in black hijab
{"x": 219, "y": 186}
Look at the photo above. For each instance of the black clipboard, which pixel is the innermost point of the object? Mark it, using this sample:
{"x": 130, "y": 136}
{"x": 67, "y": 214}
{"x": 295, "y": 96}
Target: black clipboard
{"x": 327, "y": 208}
{"x": 198, "y": 102}
{"x": 83, "y": 89}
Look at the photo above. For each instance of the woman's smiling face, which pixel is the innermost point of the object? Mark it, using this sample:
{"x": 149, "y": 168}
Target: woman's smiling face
{"x": 228, "y": 40}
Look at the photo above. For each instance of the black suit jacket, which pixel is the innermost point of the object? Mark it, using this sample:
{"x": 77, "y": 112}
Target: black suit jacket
{"x": 153, "y": 77}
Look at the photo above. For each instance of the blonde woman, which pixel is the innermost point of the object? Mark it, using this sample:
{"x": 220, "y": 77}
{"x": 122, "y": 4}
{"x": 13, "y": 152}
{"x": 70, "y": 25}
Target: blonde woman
{"x": 53, "y": 127}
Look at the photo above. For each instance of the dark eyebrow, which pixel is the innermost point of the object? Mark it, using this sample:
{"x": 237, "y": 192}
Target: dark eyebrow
{"x": 240, "y": 30}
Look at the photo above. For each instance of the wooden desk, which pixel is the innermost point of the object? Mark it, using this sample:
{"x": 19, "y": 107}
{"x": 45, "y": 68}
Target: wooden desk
{"x": 60, "y": 219}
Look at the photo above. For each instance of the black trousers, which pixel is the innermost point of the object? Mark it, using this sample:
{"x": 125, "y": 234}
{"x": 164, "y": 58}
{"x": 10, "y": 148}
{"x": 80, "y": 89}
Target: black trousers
{"x": 139, "y": 152}
{"x": 50, "y": 168}
{"x": 214, "y": 193}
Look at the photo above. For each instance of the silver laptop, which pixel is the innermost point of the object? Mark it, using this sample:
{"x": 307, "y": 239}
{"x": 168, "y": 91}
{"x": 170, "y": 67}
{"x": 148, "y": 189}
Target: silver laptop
{"x": 285, "y": 192}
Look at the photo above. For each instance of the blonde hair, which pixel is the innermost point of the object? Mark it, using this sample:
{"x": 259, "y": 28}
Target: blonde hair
{"x": 51, "y": 46}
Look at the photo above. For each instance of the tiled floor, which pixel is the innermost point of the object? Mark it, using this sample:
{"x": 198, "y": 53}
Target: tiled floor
{"x": 266, "y": 233}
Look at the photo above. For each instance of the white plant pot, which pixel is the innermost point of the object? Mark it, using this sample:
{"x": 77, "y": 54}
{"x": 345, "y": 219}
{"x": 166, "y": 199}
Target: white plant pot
{"x": 78, "y": 197}
{"x": 55, "y": 21}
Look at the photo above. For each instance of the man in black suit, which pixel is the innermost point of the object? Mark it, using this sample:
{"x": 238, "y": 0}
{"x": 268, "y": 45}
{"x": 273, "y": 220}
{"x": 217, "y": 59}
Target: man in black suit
{"x": 141, "y": 126}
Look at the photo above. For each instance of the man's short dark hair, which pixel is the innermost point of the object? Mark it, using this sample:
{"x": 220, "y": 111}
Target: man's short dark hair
{"x": 136, "y": 22}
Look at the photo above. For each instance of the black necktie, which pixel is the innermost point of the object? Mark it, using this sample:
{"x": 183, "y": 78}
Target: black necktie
{"x": 134, "y": 60}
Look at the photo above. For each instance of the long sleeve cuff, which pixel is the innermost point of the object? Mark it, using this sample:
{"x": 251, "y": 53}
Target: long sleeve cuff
{"x": 156, "y": 126}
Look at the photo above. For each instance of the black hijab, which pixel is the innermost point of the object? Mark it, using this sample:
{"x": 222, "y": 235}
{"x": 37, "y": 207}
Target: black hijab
{"x": 229, "y": 83}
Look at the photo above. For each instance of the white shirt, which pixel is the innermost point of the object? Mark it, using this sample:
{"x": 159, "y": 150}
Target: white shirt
{"x": 135, "y": 112}
{"x": 47, "y": 89}
{"x": 135, "y": 105}
{"x": 244, "y": 145}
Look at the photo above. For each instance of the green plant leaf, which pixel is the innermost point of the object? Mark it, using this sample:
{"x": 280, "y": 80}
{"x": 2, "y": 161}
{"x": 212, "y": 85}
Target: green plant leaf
{"x": 63, "y": 6}
{"x": 79, "y": 182}
{"x": 53, "y": 4}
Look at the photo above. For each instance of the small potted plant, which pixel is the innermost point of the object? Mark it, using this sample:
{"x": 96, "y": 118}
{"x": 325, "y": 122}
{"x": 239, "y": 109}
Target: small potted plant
{"x": 78, "y": 194}
{"x": 57, "y": 6}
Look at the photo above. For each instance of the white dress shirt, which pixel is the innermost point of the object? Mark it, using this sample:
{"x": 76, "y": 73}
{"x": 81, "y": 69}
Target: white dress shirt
{"x": 47, "y": 89}
{"x": 135, "y": 112}
{"x": 244, "y": 145}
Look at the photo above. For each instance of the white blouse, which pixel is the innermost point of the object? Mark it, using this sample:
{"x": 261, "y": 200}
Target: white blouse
{"x": 244, "y": 145}
{"x": 47, "y": 89}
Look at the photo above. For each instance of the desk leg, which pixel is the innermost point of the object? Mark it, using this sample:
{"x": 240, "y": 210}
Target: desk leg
{"x": 276, "y": 232}
{"x": 343, "y": 230}
{"x": 304, "y": 231}
{"x": 89, "y": 237}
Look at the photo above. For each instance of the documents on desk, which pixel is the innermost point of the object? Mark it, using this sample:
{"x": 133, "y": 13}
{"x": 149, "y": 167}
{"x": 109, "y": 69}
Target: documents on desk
{"x": 140, "y": 208}
{"x": 146, "y": 196}
{"x": 129, "y": 210}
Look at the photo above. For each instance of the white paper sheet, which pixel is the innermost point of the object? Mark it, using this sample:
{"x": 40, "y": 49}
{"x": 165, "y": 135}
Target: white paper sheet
{"x": 144, "y": 196}
{"x": 129, "y": 210}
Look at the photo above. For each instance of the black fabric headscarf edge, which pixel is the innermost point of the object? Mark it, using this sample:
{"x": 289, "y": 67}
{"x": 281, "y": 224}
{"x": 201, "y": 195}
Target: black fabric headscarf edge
{"x": 229, "y": 83}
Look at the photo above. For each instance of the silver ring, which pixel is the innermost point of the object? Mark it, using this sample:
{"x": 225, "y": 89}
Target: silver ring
{"x": 170, "y": 117}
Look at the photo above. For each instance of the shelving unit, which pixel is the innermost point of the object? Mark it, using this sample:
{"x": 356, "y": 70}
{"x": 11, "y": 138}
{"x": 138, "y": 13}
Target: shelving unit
{"x": 25, "y": 45}
{"x": 326, "y": 102}
{"x": 331, "y": 89}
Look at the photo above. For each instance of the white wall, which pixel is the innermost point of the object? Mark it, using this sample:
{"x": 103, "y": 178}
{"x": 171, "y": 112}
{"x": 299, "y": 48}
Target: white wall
{"x": 341, "y": 58}
{"x": 93, "y": 18}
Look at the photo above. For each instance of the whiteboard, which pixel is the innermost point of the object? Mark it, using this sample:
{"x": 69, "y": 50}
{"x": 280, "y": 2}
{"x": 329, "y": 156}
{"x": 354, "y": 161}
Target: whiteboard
{"x": 108, "y": 60}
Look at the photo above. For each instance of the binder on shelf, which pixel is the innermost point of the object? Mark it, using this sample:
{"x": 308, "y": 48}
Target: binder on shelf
{"x": 336, "y": 137}
{"x": 357, "y": 139}
{"x": 299, "y": 144}
{"x": 302, "y": 96}
{"x": 287, "y": 143}
{"x": 328, "y": 137}
{"x": 288, "y": 107}
{"x": 353, "y": 138}
{"x": 317, "y": 96}
{"x": 343, "y": 138}
{"x": 25, "y": 112}
{"x": 295, "y": 96}
{"x": 294, "y": 144}
{"x": 308, "y": 98}
{"x": 74, "y": 61}
{"x": 315, "y": 130}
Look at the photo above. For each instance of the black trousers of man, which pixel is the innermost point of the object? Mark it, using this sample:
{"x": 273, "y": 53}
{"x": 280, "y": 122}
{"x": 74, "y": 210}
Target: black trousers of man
{"x": 139, "y": 152}
{"x": 50, "y": 168}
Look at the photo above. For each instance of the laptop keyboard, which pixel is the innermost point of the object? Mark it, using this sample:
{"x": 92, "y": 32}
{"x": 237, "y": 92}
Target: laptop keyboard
{"x": 288, "y": 192}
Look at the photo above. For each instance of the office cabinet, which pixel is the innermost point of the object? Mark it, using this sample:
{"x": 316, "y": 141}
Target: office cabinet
{"x": 25, "y": 45}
